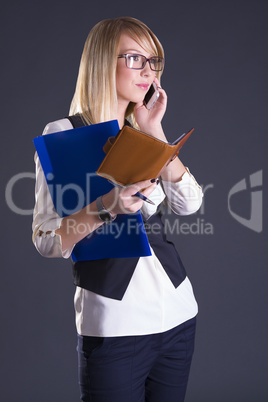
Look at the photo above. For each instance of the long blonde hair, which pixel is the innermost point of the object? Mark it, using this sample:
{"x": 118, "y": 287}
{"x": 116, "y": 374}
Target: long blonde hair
{"x": 95, "y": 96}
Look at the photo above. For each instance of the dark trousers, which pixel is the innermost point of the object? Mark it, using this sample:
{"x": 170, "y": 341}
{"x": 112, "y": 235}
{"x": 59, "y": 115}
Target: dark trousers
{"x": 146, "y": 368}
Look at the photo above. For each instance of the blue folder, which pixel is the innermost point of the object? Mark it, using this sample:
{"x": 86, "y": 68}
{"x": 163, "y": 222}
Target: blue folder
{"x": 70, "y": 160}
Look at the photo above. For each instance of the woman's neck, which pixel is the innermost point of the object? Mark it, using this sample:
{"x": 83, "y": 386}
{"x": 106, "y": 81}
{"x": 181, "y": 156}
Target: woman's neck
{"x": 121, "y": 113}
{"x": 121, "y": 122}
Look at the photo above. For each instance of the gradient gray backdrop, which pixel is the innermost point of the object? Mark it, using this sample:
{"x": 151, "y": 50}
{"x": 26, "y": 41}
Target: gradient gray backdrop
{"x": 216, "y": 79}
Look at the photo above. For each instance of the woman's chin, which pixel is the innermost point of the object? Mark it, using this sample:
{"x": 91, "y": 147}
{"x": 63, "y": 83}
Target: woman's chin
{"x": 137, "y": 100}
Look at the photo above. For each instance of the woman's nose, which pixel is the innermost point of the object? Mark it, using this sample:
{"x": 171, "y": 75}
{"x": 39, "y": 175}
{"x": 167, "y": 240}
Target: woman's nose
{"x": 147, "y": 71}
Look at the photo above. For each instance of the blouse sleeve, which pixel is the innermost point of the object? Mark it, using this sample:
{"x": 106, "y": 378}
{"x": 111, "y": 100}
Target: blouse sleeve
{"x": 185, "y": 196}
{"x": 45, "y": 218}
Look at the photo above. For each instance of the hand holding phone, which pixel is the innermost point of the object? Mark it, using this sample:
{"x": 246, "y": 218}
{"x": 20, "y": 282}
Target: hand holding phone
{"x": 151, "y": 96}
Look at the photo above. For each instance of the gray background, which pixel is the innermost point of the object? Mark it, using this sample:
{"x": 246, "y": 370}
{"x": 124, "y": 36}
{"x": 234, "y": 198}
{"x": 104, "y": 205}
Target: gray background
{"x": 215, "y": 77}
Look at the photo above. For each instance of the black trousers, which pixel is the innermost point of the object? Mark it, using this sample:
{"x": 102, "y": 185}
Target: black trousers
{"x": 151, "y": 368}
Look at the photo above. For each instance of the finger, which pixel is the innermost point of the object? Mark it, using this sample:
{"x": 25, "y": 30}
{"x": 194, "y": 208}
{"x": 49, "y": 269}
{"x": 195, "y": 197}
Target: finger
{"x": 139, "y": 105}
{"x": 140, "y": 186}
{"x": 156, "y": 80}
{"x": 148, "y": 190}
{"x": 160, "y": 89}
{"x": 144, "y": 191}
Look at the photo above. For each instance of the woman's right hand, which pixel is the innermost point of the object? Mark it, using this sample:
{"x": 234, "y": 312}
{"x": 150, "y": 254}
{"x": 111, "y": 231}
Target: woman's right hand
{"x": 122, "y": 200}
{"x": 118, "y": 201}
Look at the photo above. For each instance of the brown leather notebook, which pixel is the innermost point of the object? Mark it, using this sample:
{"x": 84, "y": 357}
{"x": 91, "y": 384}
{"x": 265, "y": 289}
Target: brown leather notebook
{"x": 134, "y": 156}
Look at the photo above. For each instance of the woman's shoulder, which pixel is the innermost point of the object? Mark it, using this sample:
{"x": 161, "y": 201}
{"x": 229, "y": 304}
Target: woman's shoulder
{"x": 57, "y": 125}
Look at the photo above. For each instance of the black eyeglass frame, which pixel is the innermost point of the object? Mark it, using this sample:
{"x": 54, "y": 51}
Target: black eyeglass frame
{"x": 145, "y": 61}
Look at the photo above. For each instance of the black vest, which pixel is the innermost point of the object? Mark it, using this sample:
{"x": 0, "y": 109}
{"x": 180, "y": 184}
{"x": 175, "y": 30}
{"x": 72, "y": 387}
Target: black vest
{"x": 110, "y": 277}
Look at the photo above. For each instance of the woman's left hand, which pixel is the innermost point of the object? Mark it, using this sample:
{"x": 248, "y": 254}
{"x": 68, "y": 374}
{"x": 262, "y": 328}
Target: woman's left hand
{"x": 149, "y": 121}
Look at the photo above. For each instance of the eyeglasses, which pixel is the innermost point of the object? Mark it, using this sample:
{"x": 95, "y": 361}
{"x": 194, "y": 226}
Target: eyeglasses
{"x": 138, "y": 61}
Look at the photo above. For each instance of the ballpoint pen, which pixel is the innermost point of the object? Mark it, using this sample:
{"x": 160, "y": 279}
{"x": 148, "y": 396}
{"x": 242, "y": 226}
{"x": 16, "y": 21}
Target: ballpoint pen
{"x": 139, "y": 195}
{"x": 142, "y": 197}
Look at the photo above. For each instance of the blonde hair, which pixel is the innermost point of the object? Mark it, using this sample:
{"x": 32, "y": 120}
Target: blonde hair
{"x": 95, "y": 96}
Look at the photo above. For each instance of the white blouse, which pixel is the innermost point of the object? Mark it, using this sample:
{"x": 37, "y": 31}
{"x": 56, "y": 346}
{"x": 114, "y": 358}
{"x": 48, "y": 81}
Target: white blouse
{"x": 151, "y": 303}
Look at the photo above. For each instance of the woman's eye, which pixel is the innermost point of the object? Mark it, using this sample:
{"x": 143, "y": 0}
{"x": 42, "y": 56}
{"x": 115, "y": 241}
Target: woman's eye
{"x": 135, "y": 58}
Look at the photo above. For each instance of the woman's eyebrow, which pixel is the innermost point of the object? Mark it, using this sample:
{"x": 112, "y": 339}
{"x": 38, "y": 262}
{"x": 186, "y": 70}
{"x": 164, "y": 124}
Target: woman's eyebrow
{"x": 132, "y": 50}
{"x": 135, "y": 51}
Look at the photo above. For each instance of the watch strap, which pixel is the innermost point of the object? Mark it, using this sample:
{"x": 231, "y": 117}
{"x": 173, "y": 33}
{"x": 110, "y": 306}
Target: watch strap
{"x": 101, "y": 209}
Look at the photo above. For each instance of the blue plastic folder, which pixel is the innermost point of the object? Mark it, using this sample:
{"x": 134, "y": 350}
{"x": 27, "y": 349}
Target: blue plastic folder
{"x": 70, "y": 160}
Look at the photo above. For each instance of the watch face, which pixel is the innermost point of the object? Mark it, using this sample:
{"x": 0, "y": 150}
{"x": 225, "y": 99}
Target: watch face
{"x": 105, "y": 216}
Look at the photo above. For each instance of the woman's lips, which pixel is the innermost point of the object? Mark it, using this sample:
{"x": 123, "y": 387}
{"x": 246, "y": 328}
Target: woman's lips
{"x": 145, "y": 87}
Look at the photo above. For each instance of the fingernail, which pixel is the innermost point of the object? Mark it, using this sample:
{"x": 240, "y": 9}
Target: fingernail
{"x": 154, "y": 181}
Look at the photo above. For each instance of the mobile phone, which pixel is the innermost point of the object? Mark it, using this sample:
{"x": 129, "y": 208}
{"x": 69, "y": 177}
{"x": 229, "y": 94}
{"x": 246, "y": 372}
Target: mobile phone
{"x": 151, "y": 96}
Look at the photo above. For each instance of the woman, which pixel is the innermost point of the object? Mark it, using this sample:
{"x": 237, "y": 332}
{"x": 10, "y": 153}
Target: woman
{"x": 136, "y": 343}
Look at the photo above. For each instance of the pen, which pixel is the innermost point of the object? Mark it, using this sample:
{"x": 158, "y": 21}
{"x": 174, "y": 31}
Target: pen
{"x": 142, "y": 197}
{"x": 139, "y": 195}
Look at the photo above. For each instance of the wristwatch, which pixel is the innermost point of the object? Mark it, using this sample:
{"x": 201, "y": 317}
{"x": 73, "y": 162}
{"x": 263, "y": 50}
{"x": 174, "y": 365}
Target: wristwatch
{"x": 103, "y": 213}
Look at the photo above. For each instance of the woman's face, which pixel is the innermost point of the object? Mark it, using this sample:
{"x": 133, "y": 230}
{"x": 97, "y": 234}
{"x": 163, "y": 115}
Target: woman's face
{"x": 132, "y": 85}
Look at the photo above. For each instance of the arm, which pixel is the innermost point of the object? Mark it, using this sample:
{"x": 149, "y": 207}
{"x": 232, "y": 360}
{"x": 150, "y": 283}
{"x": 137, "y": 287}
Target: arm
{"x": 54, "y": 236}
{"x": 45, "y": 218}
{"x": 117, "y": 201}
{"x": 149, "y": 121}
{"x": 184, "y": 195}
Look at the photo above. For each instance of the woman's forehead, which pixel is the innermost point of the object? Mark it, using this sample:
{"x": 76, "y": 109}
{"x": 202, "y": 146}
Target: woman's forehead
{"x": 129, "y": 44}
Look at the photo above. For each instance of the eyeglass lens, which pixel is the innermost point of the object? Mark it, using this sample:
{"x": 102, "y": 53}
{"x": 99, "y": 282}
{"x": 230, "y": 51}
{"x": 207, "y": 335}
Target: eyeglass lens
{"x": 138, "y": 61}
